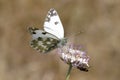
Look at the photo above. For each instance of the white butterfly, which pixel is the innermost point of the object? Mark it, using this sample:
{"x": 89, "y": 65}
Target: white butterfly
{"x": 51, "y": 37}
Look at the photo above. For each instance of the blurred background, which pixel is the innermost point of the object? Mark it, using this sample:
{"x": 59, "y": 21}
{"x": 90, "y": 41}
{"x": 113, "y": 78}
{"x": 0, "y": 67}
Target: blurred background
{"x": 98, "y": 20}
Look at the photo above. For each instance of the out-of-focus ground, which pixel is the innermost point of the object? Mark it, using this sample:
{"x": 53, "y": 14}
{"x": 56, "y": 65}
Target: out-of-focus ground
{"x": 98, "y": 20}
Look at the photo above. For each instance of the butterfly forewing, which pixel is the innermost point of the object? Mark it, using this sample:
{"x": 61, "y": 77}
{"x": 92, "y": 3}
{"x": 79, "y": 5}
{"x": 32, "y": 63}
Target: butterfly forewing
{"x": 53, "y": 24}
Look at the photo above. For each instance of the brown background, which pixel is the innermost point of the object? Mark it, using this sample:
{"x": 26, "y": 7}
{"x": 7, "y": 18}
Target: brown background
{"x": 99, "y": 21}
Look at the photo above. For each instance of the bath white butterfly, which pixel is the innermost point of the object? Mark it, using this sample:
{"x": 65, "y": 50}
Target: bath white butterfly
{"x": 51, "y": 37}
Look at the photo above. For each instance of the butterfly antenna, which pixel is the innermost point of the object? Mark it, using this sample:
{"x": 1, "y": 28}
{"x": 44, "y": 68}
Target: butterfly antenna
{"x": 75, "y": 34}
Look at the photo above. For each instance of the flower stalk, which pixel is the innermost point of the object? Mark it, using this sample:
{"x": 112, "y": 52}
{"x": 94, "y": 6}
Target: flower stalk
{"x": 68, "y": 73}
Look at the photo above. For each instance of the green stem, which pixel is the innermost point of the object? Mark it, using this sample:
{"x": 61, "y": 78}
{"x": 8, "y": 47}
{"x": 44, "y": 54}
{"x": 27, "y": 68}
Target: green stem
{"x": 68, "y": 73}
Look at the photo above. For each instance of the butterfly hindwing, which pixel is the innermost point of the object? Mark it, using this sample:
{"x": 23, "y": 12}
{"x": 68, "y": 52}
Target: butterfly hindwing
{"x": 45, "y": 45}
{"x": 43, "y": 41}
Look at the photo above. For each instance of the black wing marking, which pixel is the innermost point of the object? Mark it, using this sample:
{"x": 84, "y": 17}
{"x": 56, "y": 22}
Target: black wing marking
{"x": 44, "y": 45}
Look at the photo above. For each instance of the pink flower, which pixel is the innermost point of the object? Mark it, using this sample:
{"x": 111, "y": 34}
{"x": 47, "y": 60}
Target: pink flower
{"x": 73, "y": 55}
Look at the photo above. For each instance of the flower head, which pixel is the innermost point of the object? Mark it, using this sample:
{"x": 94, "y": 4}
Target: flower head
{"x": 73, "y": 55}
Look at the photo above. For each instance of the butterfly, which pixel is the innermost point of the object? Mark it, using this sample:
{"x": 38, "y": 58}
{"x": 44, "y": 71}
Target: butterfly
{"x": 51, "y": 37}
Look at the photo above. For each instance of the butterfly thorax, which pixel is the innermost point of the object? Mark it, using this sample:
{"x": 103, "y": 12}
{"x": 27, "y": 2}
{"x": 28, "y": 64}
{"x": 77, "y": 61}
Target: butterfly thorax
{"x": 62, "y": 42}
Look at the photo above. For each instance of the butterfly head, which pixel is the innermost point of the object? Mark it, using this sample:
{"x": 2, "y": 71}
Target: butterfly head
{"x": 62, "y": 42}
